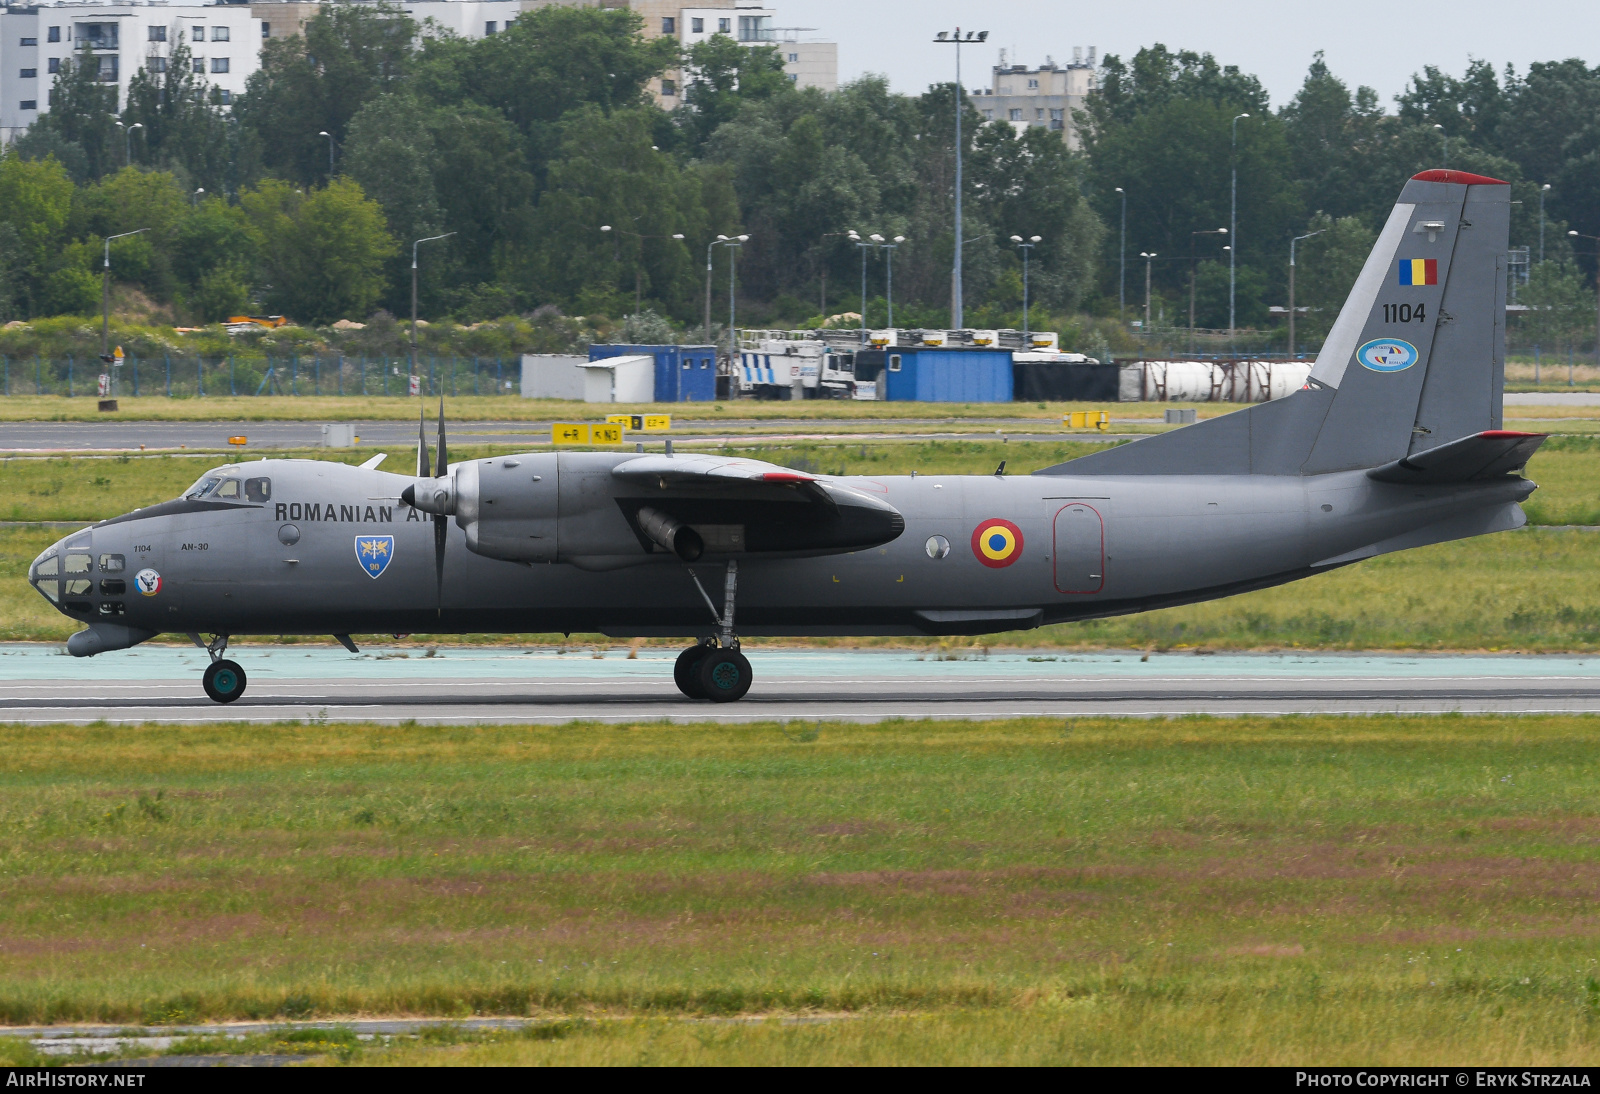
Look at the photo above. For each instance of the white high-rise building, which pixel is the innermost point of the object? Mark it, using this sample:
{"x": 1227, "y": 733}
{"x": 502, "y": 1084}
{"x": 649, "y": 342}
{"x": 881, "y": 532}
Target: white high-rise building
{"x": 1046, "y": 96}
{"x": 224, "y": 43}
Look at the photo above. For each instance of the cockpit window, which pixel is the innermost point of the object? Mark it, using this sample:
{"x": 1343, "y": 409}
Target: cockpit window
{"x": 50, "y": 567}
{"x": 258, "y": 489}
{"x": 204, "y": 487}
{"x": 46, "y": 575}
{"x": 113, "y": 564}
{"x": 79, "y": 564}
{"x": 229, "y": 489}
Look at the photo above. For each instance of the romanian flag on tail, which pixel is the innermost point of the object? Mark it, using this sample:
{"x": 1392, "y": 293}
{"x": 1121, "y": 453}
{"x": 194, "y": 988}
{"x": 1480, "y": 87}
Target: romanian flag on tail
{"x": 1419, "y": 271}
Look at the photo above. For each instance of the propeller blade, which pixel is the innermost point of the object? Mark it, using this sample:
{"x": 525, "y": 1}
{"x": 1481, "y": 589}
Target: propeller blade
{"x": 440, "y": 528}
{"x": 422, "y": 447}
{"x": 443, "y": 461}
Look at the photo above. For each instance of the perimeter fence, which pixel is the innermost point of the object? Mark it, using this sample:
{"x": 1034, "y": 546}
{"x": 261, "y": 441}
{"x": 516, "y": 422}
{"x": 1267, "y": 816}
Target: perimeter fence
{"x": 193, "y": 377}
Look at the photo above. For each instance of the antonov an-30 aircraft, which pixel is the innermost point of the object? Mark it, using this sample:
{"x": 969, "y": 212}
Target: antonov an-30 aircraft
{"x": 1394, "y": 442}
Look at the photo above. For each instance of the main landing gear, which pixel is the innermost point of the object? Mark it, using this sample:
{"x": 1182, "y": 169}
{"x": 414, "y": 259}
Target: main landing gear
{"x": 224, "y": 680}
{"x": 714, "y": 668}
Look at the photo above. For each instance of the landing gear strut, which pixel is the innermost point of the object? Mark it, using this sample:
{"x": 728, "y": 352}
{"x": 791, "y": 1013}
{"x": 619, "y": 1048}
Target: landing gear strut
{"x": 714, "y": 668}
{"x": 224, "y": 680}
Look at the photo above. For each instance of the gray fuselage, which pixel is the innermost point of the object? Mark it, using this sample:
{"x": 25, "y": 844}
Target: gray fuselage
{"x": 1090, "y": 546}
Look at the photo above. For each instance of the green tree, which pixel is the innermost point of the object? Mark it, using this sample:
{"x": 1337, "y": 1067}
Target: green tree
{"x": 36, "y": 202}
{"x": 1326, "y": 268}
{"x": 724, "y": 75}
{"x": 1561, "y": 303}
{"x": 318, "y": 82}
{"x": 185, "y": 130}
{"x": 321, "y": 253}
{"x": 82, "y": 109}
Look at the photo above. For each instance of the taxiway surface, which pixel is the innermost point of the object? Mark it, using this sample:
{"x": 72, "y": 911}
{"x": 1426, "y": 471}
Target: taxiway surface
{"x": 504, "y": 685}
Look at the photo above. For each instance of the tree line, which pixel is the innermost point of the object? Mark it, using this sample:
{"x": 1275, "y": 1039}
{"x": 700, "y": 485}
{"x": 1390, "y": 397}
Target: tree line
{"x": 526, "y": 144}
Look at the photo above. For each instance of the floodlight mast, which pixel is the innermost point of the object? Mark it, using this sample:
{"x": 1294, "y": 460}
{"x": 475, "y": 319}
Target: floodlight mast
{"x": 957, "y": 317}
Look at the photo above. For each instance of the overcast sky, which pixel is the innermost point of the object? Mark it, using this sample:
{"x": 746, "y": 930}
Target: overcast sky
{"x": 1366, "y": 41}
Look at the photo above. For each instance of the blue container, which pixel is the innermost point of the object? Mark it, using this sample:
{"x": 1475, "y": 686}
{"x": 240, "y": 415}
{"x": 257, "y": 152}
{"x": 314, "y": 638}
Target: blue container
{"x": 684, "y": 374}
{"x": 928, "y": 375}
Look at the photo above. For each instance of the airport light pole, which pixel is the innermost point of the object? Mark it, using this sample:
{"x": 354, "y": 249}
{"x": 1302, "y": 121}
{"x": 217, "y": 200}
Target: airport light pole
{"x": 1192, "y": 236}
{"x": 1594, "y": 239}
{"x": 1148, "y": 257}
{"x": 725, "y": 241}
{"x": 1026, "y": 247}
{"x": 888, "y": 257}
{"x": 957, "y": 318}
{"x": 1233, "y": 213}
{"x": 325, "y": 133}
{"x": 855, "y": 238}
{"x": 1543, "y": 190}
{"x": 1122, "y": 260}
{"x": 1292, "y": 242}
{"x": 414, "y": 246}
{"x": 105, "y": 294}
{"x": 733, "y": 264}
{"x": 1446, "y": 137}
{"x": 194, "y": 198}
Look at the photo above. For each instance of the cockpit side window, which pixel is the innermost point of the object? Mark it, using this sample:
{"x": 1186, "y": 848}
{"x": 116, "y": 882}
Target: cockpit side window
{"x": 229, "y": 489}
{"x": 204, "y": 487}
{"x": 258, "y": 489}
{"x": 79, "y": 564}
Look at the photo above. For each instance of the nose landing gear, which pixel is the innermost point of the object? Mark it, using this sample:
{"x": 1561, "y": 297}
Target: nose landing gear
{"x": 223, "y": 680}
{"x": 714, "y": 668}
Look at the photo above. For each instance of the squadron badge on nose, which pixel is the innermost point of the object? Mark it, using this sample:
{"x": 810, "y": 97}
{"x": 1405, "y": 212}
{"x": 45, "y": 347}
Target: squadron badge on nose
{"x": 374, "y": 553}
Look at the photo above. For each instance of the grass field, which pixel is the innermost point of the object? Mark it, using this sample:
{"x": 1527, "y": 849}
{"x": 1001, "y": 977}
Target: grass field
{"x": 57, "y": 408}
{"x": 1292, "y": 890}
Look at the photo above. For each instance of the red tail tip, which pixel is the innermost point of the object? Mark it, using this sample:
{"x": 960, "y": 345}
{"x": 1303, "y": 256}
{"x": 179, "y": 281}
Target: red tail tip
{"x": 1463, "y": 178}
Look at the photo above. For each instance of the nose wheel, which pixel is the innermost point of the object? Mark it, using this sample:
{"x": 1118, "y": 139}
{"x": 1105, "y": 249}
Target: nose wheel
{"x": 714, "y": 669}
{"x": 223, "y": 680}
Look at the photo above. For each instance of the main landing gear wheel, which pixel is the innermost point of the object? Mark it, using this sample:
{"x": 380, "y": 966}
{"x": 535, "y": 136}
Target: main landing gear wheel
{"x": 686, "y": 672}
{"x": 724, "y": 675}
{"x": 224, "y": 681}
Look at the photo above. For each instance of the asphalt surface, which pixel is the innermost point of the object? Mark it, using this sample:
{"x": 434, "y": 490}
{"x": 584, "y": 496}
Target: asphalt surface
{"x": 1553, "y": 398}
{"x": 484, "y": 685}
{"x": 41, "y": 437}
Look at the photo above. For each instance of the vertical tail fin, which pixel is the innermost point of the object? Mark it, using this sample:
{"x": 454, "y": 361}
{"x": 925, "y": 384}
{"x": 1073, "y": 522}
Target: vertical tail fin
{"x": 1416, "y": 358}
{"x": 1417, "y": 355}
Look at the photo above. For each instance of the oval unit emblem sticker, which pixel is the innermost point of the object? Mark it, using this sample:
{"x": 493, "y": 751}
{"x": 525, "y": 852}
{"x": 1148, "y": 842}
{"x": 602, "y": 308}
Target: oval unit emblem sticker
{"x": 148, "y": 582}
{"x": 997, "y": 543}
{"x": 1387, "y": 355}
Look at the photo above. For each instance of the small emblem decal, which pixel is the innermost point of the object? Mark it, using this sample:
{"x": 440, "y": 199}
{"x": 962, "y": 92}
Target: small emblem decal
{"x": 148, "y": 582}
{"x": 374, "y": 553}
{"x": 1419, "y": 271}
{"x": 1387, "y": 355}
{"x": 997, "y": 543}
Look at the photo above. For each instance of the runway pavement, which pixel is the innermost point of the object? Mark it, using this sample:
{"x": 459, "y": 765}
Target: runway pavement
{"x": 500, "y": 685}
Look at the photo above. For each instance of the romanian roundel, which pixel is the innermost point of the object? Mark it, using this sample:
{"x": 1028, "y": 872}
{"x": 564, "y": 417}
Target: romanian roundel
{"x": 997, "y": 543}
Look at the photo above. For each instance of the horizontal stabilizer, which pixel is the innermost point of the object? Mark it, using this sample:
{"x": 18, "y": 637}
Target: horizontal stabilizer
{"x": 1481, "y": 456}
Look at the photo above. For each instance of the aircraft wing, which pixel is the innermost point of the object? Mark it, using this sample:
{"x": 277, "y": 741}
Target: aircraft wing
{"x": 710, "y": 470}
{"x": 1479, "y": 456}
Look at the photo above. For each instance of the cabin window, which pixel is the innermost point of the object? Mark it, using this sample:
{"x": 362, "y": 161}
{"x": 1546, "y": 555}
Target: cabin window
{"x": 258, "y": 489}
{"x": 113, "y": 586}
{"x": 112, "y": 564}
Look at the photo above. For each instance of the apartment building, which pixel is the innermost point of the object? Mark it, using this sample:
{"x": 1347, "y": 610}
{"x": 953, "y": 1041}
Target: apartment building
{"x": 808, "y": 61}
{"x": 1044, "y": 96}
{"x": 119, "y": 40}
